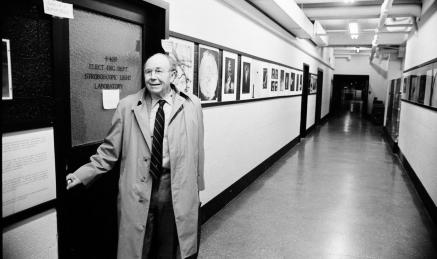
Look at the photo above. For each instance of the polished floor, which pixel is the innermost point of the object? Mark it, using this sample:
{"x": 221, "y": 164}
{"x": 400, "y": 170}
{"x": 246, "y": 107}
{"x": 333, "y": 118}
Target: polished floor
{"x": 340, "y": 193}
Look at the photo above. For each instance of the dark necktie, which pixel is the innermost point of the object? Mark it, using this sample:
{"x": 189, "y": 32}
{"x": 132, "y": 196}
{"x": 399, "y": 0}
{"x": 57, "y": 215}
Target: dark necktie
{"x": 158, "y": 136}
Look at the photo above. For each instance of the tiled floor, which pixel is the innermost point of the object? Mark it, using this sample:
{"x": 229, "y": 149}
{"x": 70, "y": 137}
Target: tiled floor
{"x": 340, "y": 193}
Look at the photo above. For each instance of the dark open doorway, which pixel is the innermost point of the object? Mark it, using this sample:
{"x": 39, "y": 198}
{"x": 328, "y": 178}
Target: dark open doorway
{"x": 350, "y": 93}
{"x": 319, "y": 95}
{"x": 303, "y": 110}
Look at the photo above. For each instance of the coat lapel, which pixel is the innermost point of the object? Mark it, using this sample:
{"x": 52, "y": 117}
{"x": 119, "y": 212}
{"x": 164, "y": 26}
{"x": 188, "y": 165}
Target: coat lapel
{"x": 177, "y": 107}
{"x": 142, "y": 117}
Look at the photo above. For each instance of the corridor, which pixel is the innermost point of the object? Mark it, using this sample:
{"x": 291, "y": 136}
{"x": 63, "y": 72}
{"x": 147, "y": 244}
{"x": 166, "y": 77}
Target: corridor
{"x": 340, "y": 193}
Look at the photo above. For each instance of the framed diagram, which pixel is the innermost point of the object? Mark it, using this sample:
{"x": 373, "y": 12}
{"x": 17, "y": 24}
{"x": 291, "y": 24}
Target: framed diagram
{"x": 183, "y": 54}
{"x": 208, "y": 74}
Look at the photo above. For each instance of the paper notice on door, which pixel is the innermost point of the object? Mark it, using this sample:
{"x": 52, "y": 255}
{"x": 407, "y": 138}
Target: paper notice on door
{"x": 110, "y": 98}
{"x": 58, "y": 9}
{"x": 167, "y": 45}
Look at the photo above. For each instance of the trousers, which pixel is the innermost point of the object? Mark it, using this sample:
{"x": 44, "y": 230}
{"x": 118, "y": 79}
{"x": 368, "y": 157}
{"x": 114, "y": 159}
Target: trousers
{"x": 160, "y": 238}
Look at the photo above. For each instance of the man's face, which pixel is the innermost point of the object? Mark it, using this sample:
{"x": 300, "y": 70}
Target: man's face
{"x": 157, "y": 75}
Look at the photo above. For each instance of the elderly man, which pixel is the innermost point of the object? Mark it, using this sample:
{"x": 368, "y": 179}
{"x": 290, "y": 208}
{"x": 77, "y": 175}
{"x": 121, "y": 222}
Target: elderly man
{"x": 157, "y": 134}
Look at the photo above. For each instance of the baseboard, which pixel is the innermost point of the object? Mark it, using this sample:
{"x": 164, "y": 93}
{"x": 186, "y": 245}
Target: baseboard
{"x": 218, "y": 202}
{"x": 310, "y": 129}
{"x": 423, "y": 194}
{"x": 324, "y": 119}
{"x": 388, "y": 138}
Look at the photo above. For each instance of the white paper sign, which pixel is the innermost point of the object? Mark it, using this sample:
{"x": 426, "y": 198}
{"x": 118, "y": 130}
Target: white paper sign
{"x": 58, "y": 9}
{"x": 28, "y": 169}
{"x": 110, "y": 98}
{"x": 167, "y": 45}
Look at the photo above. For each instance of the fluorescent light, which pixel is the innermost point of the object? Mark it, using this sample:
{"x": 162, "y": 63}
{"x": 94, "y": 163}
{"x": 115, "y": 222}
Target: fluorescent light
{"x": 348, "y": 1}
{"x": 353, "y": 28}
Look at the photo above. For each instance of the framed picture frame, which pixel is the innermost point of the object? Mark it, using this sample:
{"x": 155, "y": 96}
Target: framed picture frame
{"x": 208, "y": 74}
{"x": 183, "y": 53}
{"x": 246, "y": 88}
{"x": 229, "y": 80}
{"x": 6, "y": 70}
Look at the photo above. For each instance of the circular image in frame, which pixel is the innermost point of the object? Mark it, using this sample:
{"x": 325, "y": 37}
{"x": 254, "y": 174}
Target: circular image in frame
{"x": 208, "y": 75}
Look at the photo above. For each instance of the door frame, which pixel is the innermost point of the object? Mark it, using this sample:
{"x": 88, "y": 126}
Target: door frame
{"x": 319, "y": 96}
{"x": 304, "y": 103}
{"x": 153, "y": 16}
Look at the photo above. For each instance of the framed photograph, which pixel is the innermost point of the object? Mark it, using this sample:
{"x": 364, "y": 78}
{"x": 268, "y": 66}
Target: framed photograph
{"x": 6, "y": 71}
{"x": 428, "y": 85}
{"x": 414, "y": 89}
{"x": 282, "y": 80}
{"x": 287, "y": 80}
{"x": 183, "y": 53}
{"x": 274, "y": 82}
{"x": 433, "y": 99}
{"x": 421, "y": 94}
{"x": 292, "y": 81}
{"x": 208, "y": 71}
{"x": 246, "y": 91}
{"x": 229, "y": 84}
{"x": 257, "y": 78}
{"x": 300, "y": 83}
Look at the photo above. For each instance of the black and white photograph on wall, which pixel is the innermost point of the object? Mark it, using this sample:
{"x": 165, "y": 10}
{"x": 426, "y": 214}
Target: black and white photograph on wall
{"x": 433, "y": 99}
{"x": 421, "y": 94}
{"x": 274, "y": 74}
{"x": 208, "y": 73}
{"x": 256, "y": 80}
{"x": 265, "y": 77}
{"x": 300, "y": 82}
{"x": 6, "y": 71}
{"x": 428, "y": 87}
{"x": 246, "y": 87}
{"x": 282, "y": 81}
{"x": 292, "y": 81}
{"x": 287, "y": 80}
{"x": 274, "y": 87}
{"x": 183, "y": 53}
{"x": 406, "y": 87}
{"x": 413, "y": 89}
{"x": 229, "y": 84}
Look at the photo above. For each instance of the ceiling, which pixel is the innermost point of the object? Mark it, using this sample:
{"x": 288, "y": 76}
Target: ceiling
{"x": 335, "y": 16}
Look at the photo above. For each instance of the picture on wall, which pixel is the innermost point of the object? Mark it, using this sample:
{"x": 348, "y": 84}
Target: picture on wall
{"x": 433, "y": 99}
{"x": 292, "y": 81}
{"x": 6, "y": 71}
{"x": 208, "y": 73}
{"x": 422, "y": 84}
{"x": 245, "y": 83}
{"x": 413, "y": 89}
{"x": 265, "y": 77}
{"x": 300, "y": 82}
{"x": 428, "y": 85}
{"x": 229, "y": 92}
{"x": 274, "y": 81}
{"x": 287, "y": 79}
{"x": 257, "y": 78}
{"x": 183, "y": 53}
{"x": 282, "y": 81}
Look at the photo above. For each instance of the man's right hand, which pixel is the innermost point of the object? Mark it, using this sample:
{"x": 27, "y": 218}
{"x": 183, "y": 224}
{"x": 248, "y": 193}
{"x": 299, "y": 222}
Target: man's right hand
{"x": 72, "y": 181}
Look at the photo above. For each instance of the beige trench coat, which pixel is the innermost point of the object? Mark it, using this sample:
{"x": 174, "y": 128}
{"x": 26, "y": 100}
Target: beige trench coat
{"x": 129, "y": 139}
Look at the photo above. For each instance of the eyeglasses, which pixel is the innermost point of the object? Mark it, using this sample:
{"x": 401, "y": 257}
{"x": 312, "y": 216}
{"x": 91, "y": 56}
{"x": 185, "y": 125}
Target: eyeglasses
{"x": 157, "y": 71}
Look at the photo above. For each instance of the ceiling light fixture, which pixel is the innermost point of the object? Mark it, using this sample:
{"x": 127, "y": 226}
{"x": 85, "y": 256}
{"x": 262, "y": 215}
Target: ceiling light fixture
{"x": 353, "y": 30}
{"x": 348, "y": 1}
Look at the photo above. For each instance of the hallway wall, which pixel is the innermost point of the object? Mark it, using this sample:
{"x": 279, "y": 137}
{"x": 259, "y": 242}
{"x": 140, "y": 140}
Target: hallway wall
{"x": 380, "y": 71}
{"x": 239, "y": 137}
{"x": 417, "y": 138}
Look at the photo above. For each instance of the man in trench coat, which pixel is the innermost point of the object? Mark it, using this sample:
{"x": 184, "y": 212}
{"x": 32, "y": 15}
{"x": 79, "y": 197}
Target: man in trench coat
{"x": 130, "y": 140}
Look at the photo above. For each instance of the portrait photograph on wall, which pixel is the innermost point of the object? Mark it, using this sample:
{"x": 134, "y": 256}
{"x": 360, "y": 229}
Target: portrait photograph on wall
{"x": 257, "y": 78}
{"x": 421, "y": 94}
{"x": 246, "y": 87}
{"x": 274, "y": 81}
{"x": 265, "y": 77}
{"x": 229, "y": 91}
{"x": 282, "y": 80}
{"x": 208, "y": 73}
{"x": 183, "y": 53}
{"x": 287, "y": 79}
{"x": 413, "y": 89}
{"x": 6, "y": 71}
{"x": 433, "y": 99}
{"x": 292, "y": 81}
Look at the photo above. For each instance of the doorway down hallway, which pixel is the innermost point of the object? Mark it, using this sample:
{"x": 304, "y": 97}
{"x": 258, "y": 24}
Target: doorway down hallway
{"x": 340, "y": 193}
